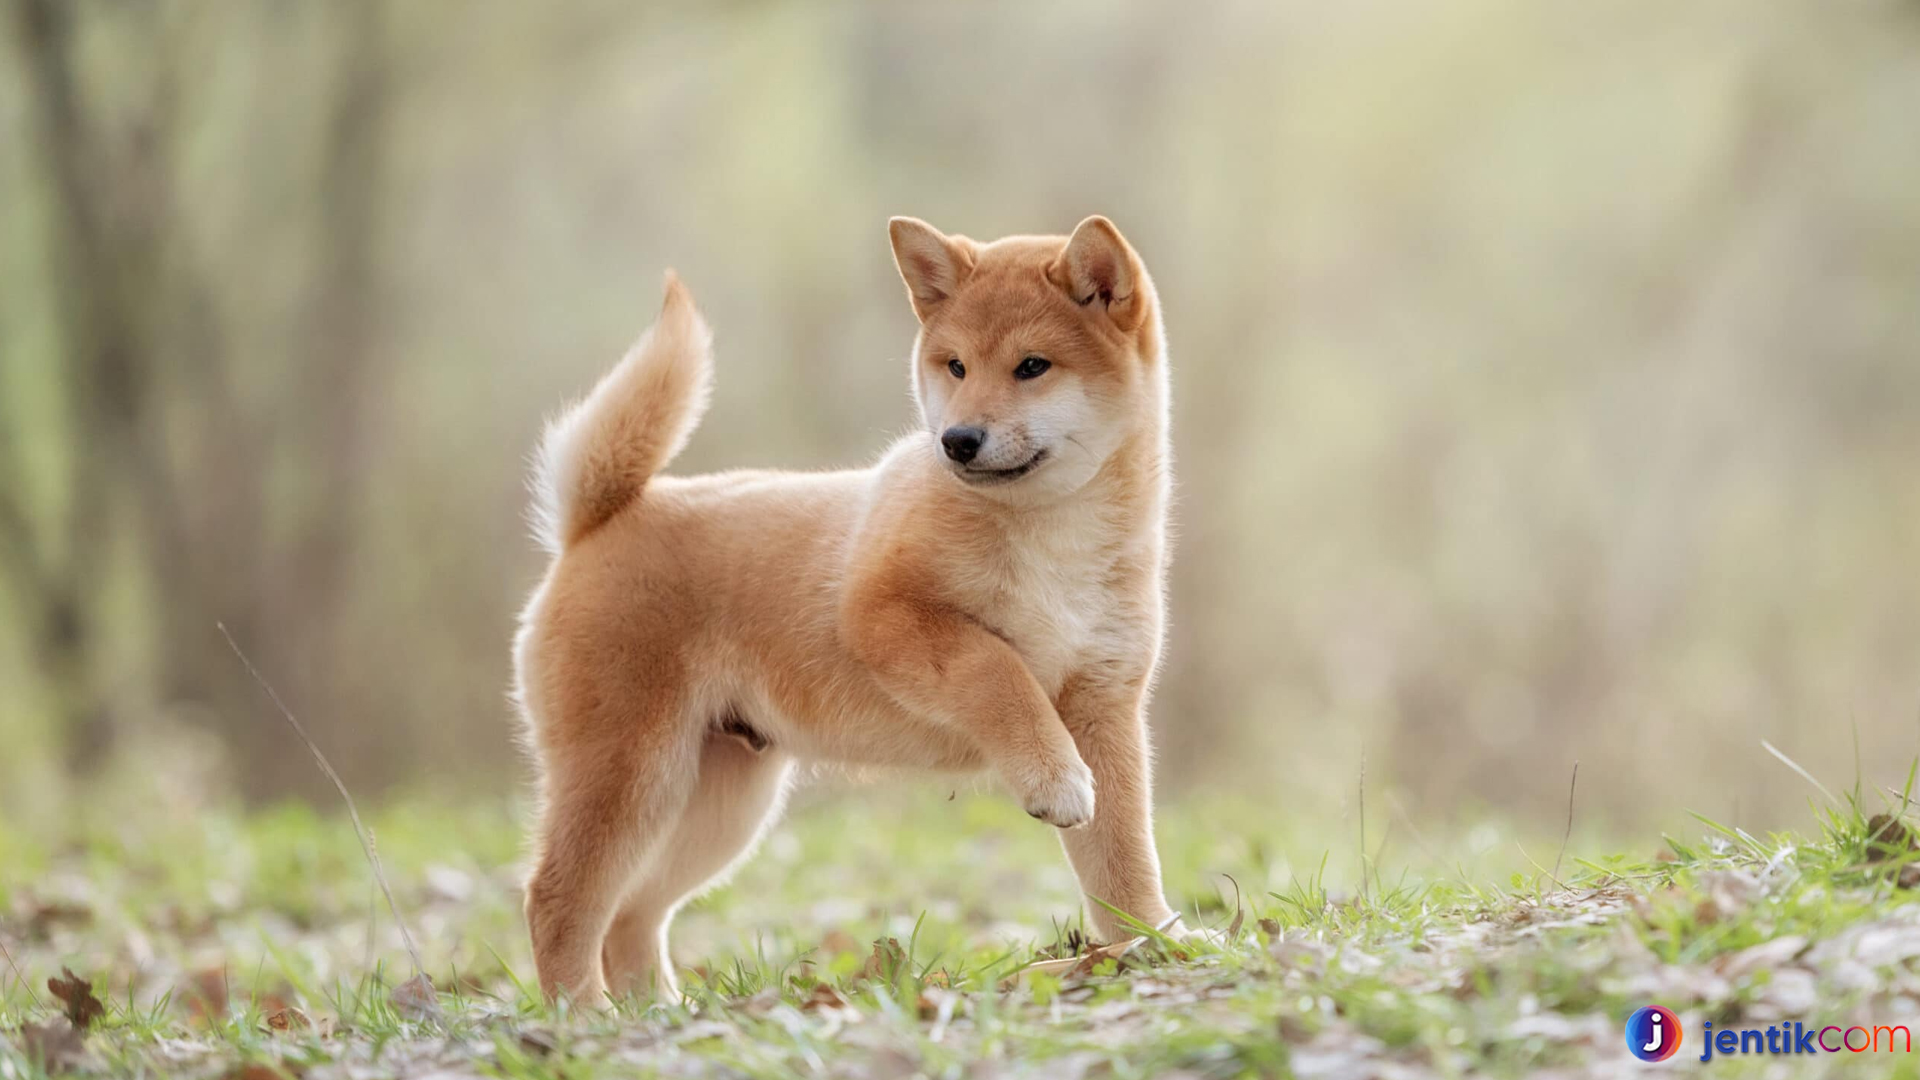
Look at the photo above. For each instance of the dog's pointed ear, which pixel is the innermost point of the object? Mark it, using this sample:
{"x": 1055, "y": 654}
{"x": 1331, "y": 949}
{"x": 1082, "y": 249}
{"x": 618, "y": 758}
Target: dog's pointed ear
{"x": 931, "y": 263}
{"x": 1098, "y": 267}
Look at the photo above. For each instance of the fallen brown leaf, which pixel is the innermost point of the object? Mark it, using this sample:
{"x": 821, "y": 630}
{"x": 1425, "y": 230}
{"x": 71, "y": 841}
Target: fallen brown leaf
{"x": 57, "y": 1045}
{"x": 43, "y": 917}
{"x": 416, "y": 999}
{"x": 1292, "y": 1029}
{"x": 1239, "y": 912}
{"x": 288, "y": 1019}
{"x": 824, "y": 997}
{"x": 1887, "y": 838}
{"x": 1074, "y": 966}
{"x": 76, "y": 995}
{"x": 888, "y": 959}
{"x": 538, "y": 1042}
{"x": 1112, "y": 951}
{"x": 206, "y": 994}
{"x": 761, "y": 1003}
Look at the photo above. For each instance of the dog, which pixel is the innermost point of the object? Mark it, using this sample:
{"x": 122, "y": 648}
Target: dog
{"x": 989, "y": 594}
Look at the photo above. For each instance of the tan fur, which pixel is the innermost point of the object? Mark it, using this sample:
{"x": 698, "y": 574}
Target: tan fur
{"x": 696, "y": 636}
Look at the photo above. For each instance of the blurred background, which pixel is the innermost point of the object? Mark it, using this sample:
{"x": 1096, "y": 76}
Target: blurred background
{"x": 1547, "y": 375}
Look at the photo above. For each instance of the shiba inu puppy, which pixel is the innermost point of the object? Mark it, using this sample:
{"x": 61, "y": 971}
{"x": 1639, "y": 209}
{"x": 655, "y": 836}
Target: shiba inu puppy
{"x": 987, "y": 595}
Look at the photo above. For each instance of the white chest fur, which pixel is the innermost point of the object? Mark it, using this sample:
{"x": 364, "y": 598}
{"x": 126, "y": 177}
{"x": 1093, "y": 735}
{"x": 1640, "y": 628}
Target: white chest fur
{"x": 1067, "y": 591}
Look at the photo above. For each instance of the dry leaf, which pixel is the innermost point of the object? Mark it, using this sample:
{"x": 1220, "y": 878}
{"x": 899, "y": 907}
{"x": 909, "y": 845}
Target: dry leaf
{"x": 1292, "y": 1029}
{"x": 761, "y": 1003}
{"x": 1070, "y": 966}
{"x": 293, "y": 1020}
{"x": 888, "y": 958}
{"x": 1060, "y": 966}
{"x": 1113, "y": 951}
{"x": 1887, "y": 838}
{"x": 206, "y": 994}
{"x": 56, "y": 1045}
{"x": 538, "y": 1042}
{"x": 416, "y": 999}
{"x": 1270, "y": 927}
{"x": 76, "y": 996}
{"x": 1239, "y": 913}
{"x": 823, "y": 997}
{"x": 43, "y": 917}
{"x": 699, "y": 1031}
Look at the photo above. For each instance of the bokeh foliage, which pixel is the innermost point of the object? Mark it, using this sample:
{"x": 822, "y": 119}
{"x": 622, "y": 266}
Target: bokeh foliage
{"x": 1547, "y": 376}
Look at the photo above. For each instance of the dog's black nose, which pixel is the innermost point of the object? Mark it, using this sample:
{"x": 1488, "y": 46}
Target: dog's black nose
{"x": 962, "y": 443}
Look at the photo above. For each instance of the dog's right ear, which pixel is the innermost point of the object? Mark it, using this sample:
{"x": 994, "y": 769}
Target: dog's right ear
{"x": 931, "y": 263}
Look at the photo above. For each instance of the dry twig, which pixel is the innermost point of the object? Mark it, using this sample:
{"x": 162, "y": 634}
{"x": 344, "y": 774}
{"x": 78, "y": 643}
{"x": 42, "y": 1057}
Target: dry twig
{"x": 359, "y": 829}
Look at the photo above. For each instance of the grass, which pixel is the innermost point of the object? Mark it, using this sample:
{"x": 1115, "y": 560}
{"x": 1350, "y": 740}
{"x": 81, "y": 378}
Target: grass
{"x": 890, "y": 933}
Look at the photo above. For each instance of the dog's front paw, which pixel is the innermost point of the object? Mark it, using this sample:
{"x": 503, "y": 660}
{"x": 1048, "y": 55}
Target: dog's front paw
{"x": 1064, "y": 799}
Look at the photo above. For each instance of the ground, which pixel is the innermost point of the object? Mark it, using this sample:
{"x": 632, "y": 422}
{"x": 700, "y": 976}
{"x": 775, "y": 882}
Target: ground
{"x": 895, "y": 933}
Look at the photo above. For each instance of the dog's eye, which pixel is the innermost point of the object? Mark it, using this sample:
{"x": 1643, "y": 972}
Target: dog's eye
{"x": 959, "y": 369}
{"x": 1032, "y": 368}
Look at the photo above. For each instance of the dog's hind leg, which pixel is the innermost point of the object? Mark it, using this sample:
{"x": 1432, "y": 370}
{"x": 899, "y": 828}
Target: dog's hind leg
{"x": 614, "y": 785}
{"x": 739, "y": 792}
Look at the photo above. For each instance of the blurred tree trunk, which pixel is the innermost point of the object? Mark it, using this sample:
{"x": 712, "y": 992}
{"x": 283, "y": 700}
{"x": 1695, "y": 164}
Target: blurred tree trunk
{"x": 158, "y": 448}
{"x": 280, "y": 584}
{"x": 104, "y": 391}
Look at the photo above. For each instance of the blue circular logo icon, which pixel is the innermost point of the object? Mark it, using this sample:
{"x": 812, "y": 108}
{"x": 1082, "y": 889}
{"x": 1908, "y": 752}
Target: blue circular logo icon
{"x": 1653, "y": 1033}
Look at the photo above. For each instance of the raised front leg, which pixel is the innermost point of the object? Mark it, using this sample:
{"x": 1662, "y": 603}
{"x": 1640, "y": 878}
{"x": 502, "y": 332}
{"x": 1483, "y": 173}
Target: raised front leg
{"x": 941, "y": 664}
{"x": 1114, "y": 856}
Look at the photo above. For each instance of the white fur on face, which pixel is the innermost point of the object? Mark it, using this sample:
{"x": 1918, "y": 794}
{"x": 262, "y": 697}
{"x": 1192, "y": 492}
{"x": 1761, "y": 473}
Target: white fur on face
{"x": 1074, "y": 429}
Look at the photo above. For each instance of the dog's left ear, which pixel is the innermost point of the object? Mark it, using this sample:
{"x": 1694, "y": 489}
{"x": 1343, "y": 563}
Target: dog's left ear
{"x": 1098, "y": 267}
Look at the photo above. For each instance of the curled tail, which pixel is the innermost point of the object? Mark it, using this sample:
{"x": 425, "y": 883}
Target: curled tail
{"x": 596, "y": 456}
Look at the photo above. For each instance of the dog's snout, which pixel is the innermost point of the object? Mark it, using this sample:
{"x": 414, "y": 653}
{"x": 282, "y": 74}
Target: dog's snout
{"x": 963, "y": 443}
